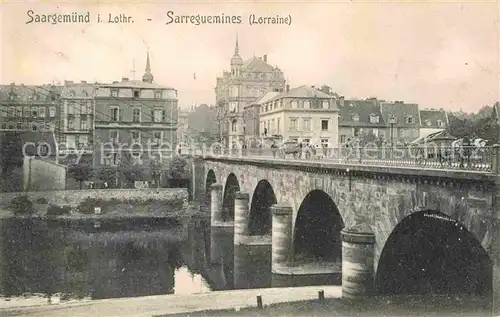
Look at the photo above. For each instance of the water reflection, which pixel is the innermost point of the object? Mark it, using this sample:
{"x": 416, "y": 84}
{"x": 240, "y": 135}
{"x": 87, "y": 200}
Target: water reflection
{"x": 130, "y": 259}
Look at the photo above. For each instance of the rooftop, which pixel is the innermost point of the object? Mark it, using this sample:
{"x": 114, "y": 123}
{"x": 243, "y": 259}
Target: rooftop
{"x": 364, "y": 109}
{"x": 302, "y": 92}
{"x": 134, "y": 84}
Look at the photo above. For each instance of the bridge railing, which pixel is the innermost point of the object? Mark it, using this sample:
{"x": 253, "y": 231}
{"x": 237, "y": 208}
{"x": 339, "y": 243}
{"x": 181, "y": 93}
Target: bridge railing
{"x": 484, "y": 159}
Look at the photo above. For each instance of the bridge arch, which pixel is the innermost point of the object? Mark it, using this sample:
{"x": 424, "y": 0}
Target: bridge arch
{"x": 231, "y": 187}
{"x": 210, "y": 180}
{"x": 317, "y": 229}
{"x": 429, "y": 252}
{"x": 260, "y": 213}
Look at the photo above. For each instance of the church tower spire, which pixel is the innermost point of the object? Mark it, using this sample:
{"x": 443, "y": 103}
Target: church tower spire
{"x": 236, "y": 47}
{"x": 148, "y": 76}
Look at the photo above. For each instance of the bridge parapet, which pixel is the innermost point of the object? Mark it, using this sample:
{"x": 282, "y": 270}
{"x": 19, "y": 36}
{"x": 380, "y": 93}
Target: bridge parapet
{"x": 485, "y": 159}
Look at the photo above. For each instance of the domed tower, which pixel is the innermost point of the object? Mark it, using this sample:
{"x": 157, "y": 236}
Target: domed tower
{"x": 148, "y": 76}
{"x": 236, "y": 60}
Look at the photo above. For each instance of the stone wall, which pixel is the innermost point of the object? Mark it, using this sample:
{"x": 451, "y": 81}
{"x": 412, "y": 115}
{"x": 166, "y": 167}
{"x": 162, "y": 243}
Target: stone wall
{"x": 74, "y": 197}
{"x": 41, "y": 175}
{"x": 382, "y": 197}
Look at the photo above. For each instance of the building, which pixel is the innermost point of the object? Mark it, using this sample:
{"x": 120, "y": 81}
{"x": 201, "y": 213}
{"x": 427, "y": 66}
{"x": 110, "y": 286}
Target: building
{"x": 30, "y": 108}
{"x": 243, "y": 84}
{"x": 134, "y": 114}
{"x": 359, "y": 117}
{"x": 202, "y": 124}
{"x": 432, "y": 120}
{"x": 182, "y": 127}
{"x": 405, "y": 124}
{"x": 304, "y": 114}
{"x": 251, "y": 116}
{"x": 77, "y": 113}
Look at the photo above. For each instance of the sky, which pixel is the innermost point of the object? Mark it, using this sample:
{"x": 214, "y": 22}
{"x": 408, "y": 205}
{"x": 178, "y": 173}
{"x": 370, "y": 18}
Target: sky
{"x": 437, "y": 54}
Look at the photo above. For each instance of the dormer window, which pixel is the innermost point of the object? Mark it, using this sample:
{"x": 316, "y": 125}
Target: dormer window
{"x": 428, "y": 123}
{"x": 12, "y": 96}
{"x": 158, "y": 94}
{"x": 355, "y": 117}
{"x": 374, "y": 118}
{"x": 114, "y": 92}
{"x": 85, "y": 94}
{"x": 137, "y": 93}
{"x": 72, "y": 93}
{"x": 409, "y": 120}
{"x": 440, "y": 124}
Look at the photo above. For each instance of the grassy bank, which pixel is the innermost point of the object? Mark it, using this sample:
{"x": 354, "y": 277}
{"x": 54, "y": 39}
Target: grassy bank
{"x": 373, "y": 307}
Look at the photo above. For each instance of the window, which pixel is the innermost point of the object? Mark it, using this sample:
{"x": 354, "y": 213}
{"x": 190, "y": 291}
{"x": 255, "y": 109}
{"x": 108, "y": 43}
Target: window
{"x": 11, "y": 112}
{"x": 41, "y": 112}
{"x": 26, "y": 112}
{"x": 85, "y": 94}
{"x": 158, "y": 137}
{"x": 115, "y": 114}
{"x": 158, "y": 94}
{"x": 307, "y": 104}
{"x": 306, "y": 141}
{"x": 19, "y": 126}
{"x": 278, "y": 126}
{"x": 374, "y": 118}
{"x": 233, "y": 126}
{"x": 326, "y": 104}
{"x": 307, "y": 124}
{"x": 83, "y": 125}
{"x": 136, "y": 115}
{"x": 324, "y": 142}
{"x": 34, "y": 127}
{"x": 355, "y": 117}
{"x": 164, "y": 116}
{"x": 19, "y": 112}
{"x": 34, "y": 112}
{"x": 440, "y": 124}
{"x": 342, "y": 139}
{"x": 136, "y": 137}
{"x": 409, "y": 120}
{"x": 232, "y": 107}
{"x": 428, "y": 123}
{"x": 52, "y": 112}
{"x": 114, "y": 92}
{"x": 293, "y": 124}
{"x": 137, "y": 93}
{"x": 324, "y": 125}
{"x": 294, "y": 104}
{"x": 72, "y": 93}
{"x": 402, "y": 133}
{"x": 113, "y": 136}
{"x": 157, "y": 115}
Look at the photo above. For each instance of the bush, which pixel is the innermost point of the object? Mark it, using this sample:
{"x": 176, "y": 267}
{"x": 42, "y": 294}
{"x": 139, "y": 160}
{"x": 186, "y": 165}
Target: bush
{"x": 22, "y": 205}
{"x": 42, "y": 201}
{"x": 87, "y": 206}
{"x": 54, "y": 210}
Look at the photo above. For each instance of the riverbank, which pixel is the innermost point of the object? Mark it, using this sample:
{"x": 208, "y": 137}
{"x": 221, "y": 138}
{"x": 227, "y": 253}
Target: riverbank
{"x": 296, "y": 301}
{"x": 164, "y": 305}
{"x": 396, "y": 306}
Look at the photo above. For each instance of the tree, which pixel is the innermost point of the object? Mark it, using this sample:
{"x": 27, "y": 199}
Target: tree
{"x": 176, "y": 168}
{"x": 107, "y": 174}
{"x": 80, "y": 172}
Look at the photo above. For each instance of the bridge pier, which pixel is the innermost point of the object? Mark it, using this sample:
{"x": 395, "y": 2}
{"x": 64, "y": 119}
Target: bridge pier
{"x": 281, "y": 240}
{"x": 358, "y": 261}
{"x": 215, "y": 204}
{"x": 241, "y": 217}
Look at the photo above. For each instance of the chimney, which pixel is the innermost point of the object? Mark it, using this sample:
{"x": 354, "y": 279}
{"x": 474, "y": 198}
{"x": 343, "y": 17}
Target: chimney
{"x": 341, "y": 99}
{"x": 313, "y": 87}
{"x": 68, "y": 82}
{"x": 124, "y": 79}
{"x": 115, "y": 82}
{"x": 12, "y": 83}
{"x": 287, "y": 88}
{"x": 265, "y": 58}
{"x": 83, "y": 81}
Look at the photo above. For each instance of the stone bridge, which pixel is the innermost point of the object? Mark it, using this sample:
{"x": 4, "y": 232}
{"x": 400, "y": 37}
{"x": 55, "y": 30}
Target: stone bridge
{"x": 391, "y": 230}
